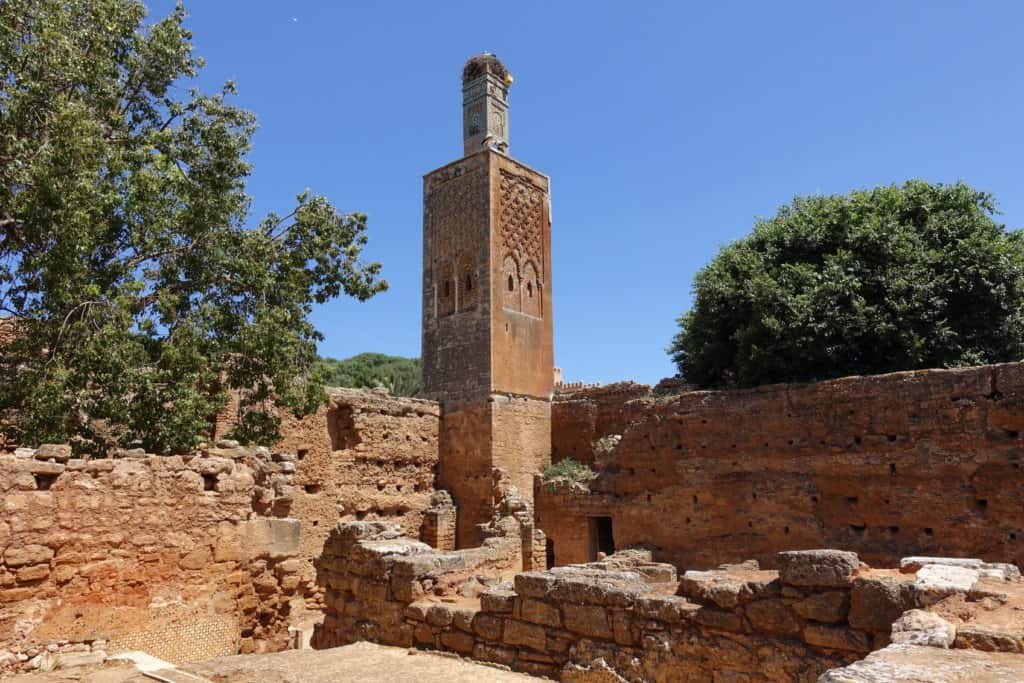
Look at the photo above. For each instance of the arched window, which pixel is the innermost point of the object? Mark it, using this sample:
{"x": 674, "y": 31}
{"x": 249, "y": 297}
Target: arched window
{"x": 511, "y": 284}
{"x": 447, "y": 288}
{"x": 469, "y": 282}
{"x": 529, "y": 289}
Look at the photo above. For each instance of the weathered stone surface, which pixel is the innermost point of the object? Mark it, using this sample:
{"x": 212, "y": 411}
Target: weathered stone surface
{"x": 970, "y": 636}
{"x": 915, "y": 663}
{"x": 32, "y": 553}
{"x": 496, "y": 600}
{"x": 538, "y": 612}
{"x": 824, "y": 568}
{"x": 587, "y": 620}
{"x": 52, "y": 451}
{"x": 722, "y": 588}
{"x": 525, "y": 634}
{"x": 1000, "y": 570}
{"x": 935, "y": 581}
{"x": 772, "y": 616}
{"x": 876, "y": 602}
{"x": 487, "y": 627}
{"x": 836, "y": 638}
{"x": 917, "y": 627}
{"x": 829, "y": 608}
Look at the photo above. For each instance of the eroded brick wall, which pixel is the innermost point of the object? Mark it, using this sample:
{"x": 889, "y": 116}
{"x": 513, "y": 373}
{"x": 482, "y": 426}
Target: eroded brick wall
{"x": 580, "y": 417}
{"x": 364, "y": 456}
{"x": 922, "y": 462}
{"x": 136, "y": 542}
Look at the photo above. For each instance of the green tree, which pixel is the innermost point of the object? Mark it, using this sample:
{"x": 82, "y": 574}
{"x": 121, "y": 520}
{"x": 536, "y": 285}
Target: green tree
{"x": 399, "y": 375}
{"x": 894, "y": 278}
{"x": 140, "y": 295}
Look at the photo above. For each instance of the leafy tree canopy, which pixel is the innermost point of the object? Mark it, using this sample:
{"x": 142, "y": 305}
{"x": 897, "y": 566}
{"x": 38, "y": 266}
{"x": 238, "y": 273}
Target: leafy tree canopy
{"x": 894, "y": 278}
{"x": 140, "y": 294}
{"x": 399, "y": 375}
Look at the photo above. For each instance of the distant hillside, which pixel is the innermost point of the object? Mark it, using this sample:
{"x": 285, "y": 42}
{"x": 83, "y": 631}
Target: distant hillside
{"x": 399, "y": 375}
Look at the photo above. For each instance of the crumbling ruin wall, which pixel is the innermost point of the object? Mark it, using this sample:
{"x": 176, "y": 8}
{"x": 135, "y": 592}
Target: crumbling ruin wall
{"x": 925, "y": 462}
{"x": 582, "y": 416}
{"x": 113, "y": 548}
{"x": 364, "y": 456}
{"x": 629, "y": 618}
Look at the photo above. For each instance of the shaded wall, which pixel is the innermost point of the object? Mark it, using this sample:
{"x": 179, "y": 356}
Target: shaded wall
{"x": 909, "y": 463}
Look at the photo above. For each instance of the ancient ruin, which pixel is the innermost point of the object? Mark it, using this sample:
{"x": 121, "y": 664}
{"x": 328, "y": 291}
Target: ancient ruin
{"x": 854, "y": 530}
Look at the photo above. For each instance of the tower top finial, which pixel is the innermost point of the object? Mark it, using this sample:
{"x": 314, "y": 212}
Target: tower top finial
{"x": 485, "y": 63}
{"x": 485, "y": 83}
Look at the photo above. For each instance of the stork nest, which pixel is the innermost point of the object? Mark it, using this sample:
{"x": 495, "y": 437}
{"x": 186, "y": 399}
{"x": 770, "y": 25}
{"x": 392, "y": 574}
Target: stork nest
{"x": 481, "y": 64}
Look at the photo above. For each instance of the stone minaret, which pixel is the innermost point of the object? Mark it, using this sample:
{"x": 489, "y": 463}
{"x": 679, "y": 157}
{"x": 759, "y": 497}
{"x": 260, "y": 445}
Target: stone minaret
{"x": 487, "y": 345}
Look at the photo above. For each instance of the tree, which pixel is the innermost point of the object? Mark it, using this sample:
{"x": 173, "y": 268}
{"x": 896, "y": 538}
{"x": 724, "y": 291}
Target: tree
{"x": 399, "y": 375}
{"x": 141, "y": 298}
{"x": 894, "y": 278}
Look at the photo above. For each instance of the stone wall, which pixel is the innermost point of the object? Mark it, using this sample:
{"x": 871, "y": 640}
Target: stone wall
{"x": 579, "y": 417}
{"x": 924, "y": 462}
{"x": 629, "y": 618}
{"x": 364, "y": 456}
{"x": 97, "y": 549}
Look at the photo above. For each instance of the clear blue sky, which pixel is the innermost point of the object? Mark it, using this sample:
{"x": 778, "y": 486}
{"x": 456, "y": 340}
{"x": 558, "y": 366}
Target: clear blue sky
{"x": 666, "y": 127}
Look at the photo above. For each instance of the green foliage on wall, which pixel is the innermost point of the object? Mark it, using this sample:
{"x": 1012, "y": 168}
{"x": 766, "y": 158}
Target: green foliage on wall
{"x": 893, "y": 278}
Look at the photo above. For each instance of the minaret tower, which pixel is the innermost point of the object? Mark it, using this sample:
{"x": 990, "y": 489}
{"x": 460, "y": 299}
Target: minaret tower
{"x": 487, "y": 334}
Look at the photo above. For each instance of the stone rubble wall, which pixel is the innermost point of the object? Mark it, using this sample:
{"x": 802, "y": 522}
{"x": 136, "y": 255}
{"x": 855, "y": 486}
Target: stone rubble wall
{"x": 581, "y": 416}
{"x": 627, "y": 618}
{"x": 141, "y": 532}
{"x": 365, "y": 456}
{"x": 925, "y": 462}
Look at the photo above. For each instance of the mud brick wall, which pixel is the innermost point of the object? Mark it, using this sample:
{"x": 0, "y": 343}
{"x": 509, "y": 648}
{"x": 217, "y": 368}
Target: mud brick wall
{"x": 631, "y": 617}
{"x": 85, "y": 542}
{"x": 580, "y": 417}
{"x": 365, "y": 456}
{"x": 909, "y": 463}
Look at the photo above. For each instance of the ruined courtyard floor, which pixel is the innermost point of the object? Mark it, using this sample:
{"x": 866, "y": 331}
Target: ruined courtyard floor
{"x": 364, "y": 662}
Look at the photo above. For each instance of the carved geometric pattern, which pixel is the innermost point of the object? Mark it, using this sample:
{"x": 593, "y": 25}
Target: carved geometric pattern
{"x": 455, "y": 209}
{"x": 521, "y": 220}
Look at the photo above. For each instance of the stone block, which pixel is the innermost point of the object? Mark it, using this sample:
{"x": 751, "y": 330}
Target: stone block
{"x": 424, "y": 635}
{"x": 487, "y": 627}
{"x": 671, "y": 609}
{"x": 534, "y": 584}
{"x": 524, "y": 634}
{"x": 67, "y": 660}
{"x": 875, "y": 603}
{"x": 440, "y": 614}
{"x": 496, "y": 654}
{"x": 539, "y": 612}
{"x": 971, "y": 637}
{"x": 829, "y": 607}
{"x": 999, "y": 570}
{"x": 836, "y": 638}
{"x": 198, "y": 559}
{"x": 34, "y": 572}
{"x": 918, "y": 627}
{"x": 821, "y": 568}
{"x": 52, "y": 451}
{"x": 588, "y": 620}
{"x": 719, "y": 619}
{"x": 462, "y": 618}
{"x": 497, "y": 601}
{"x": 772, "y": 616}
{"x": 273, "y": 537}
{"x": 19, "y": 556}
{"x": 458, "y": 641}
{"x": 937, "y": 581}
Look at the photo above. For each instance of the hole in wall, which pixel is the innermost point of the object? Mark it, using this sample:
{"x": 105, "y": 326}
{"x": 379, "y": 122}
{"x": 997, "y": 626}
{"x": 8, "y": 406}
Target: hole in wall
{"x": 857, "y": 440}
{"x": 447, "y": 288}
{"x": 44, "y": 481}
{"x": 380, "y": 487}
{"x": 511, "y": 284}
{"x": 928, "y": 531}
{"x": 750, "y": 524}
{"x": 892, "y": 468}
{"x": 894, "y": 530}
{"x": 469, "y": 282}
{"x": 1013, "y": 536}
{"x": 785, "y": 529}
{"x": 858, "y": 528}
{"x": 312, "y": 488}
{"x": 695, "y": 500}
{"x": 814, "y": 499}
{"x": 852, "y": 500}
{"x": 981, "y": 503}
{"x": 316, "y": 522}
{"x": 209, "y": 482}
{"x": 301, "y": 453}
{"x": 529, "y": 289}
{"x": 892, "y": 438}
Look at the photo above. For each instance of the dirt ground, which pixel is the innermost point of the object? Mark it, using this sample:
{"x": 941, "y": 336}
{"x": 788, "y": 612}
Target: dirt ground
{"x": 363, "y": 662}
